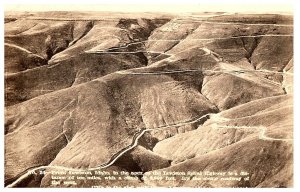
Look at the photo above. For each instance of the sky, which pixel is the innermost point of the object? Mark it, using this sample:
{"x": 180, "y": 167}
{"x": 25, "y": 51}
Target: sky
{"x": 170, "y": 8}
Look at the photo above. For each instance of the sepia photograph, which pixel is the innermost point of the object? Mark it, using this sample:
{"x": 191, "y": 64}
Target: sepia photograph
{"x": 148, "y": 96}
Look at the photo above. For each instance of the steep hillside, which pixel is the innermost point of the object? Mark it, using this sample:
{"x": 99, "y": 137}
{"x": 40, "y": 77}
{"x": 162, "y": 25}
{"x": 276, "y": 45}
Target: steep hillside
{"x": 125, "y": 93}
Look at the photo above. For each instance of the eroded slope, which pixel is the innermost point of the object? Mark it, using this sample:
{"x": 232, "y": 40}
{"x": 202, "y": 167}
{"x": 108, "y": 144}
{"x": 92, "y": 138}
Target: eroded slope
{"x": 145, "y": 94}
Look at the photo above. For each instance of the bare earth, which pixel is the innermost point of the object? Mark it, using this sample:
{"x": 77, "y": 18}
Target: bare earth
{"x": 150, "y": 92}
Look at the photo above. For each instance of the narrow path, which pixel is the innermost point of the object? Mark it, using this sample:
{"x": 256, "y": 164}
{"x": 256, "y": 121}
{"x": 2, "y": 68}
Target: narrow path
{"x": 262, "y": 132}
{"x": 262, "y": 135}
{"x": 113, "y": 159}
{"x": 128, "y": 72}
{"x": 190, "y": 39}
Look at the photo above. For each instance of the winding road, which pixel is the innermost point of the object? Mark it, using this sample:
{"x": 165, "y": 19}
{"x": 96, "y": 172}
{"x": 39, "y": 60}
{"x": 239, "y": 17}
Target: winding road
{"x": 25, "y": 174}
{"x": 262, "y": 131}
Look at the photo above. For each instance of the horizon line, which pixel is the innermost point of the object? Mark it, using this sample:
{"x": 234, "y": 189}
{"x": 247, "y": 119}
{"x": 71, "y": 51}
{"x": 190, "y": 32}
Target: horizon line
{"x": 153, "y": 8}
